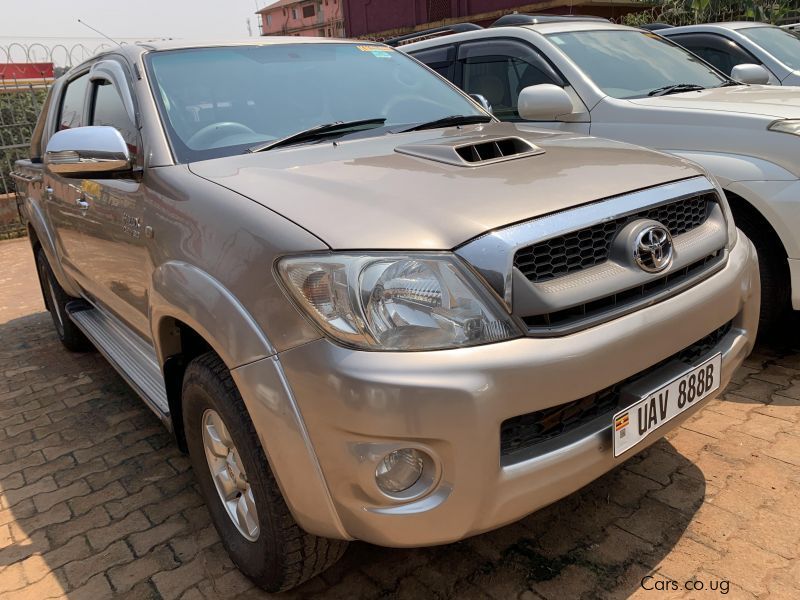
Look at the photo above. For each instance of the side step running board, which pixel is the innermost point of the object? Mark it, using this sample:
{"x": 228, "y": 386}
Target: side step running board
{"x": 127, "y": 352}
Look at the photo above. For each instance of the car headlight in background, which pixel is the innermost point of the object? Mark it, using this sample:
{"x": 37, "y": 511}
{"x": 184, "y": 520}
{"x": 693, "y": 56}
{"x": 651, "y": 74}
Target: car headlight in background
{"x": 786, "y": 126}
{"x": 416, "y": 301}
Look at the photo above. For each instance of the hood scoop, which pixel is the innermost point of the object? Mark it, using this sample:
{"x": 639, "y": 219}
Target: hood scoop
{"x": 473, "y": 152}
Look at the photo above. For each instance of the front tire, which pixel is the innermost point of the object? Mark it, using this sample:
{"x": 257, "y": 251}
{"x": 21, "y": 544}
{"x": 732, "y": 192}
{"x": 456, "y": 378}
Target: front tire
{"x": 776, "y": 295}
{"x": 55, "y": 300}
{"x": 246, "y": 505}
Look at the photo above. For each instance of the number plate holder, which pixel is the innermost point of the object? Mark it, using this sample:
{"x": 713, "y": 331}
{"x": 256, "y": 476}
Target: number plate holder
{"x": 654, "y": 405}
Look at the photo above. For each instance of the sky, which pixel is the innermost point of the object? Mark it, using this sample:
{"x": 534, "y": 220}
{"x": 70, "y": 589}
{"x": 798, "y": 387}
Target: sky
{"x": 52, "y": 22}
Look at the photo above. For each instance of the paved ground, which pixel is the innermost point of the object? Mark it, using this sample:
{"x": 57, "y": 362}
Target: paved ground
{"x": 95, "y": 500}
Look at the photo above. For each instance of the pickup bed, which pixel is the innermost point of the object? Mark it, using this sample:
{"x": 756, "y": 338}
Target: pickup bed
{"x": 366, "y": 308}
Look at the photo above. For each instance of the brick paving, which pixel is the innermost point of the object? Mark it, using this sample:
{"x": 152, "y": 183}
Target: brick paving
{"x": 96, "y": 501}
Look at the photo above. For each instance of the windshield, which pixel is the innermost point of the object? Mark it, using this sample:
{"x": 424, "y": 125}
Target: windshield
{"x": 222, "y": 101}
{"x": 782, "y": 44}
{"x": 632, "y": 64}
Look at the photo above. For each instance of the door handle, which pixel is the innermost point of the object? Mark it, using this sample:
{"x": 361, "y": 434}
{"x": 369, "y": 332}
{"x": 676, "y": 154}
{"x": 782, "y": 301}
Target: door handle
{"x": 82, "y": 204}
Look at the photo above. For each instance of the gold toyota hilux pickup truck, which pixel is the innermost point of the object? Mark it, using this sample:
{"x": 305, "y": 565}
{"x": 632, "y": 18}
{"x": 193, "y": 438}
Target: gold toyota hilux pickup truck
{"x": 367, "y": 309}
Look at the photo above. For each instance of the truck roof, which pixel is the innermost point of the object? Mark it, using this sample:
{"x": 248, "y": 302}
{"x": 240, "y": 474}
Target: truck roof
{"x": 732, "y": 25}
{"x": 159, "y": 45}
{"x": 546, "y": 28}
{"x": 134, "y": 51}
{"x": 577, "y": 25}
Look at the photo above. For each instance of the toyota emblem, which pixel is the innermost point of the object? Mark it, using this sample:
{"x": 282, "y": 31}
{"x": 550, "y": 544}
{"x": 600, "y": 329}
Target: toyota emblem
{"x": 653, "y": 249}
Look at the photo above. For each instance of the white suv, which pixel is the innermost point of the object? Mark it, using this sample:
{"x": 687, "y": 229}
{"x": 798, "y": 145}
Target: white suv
{"x": 636, "y": 86}
{"x": 727, "y": 45}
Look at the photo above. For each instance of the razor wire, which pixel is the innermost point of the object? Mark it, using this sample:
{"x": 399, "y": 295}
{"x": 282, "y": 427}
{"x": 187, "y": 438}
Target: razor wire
{"x": 61, "y": 55}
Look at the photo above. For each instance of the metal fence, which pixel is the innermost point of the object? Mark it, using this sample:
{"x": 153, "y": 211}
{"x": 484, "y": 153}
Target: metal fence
{"x": 20, "y": 104}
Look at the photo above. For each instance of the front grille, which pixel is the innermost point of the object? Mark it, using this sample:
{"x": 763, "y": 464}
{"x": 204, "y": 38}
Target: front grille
{"x": 521, "y": 434}
{"x": 620, "y": 300}
{"x": 590, "y": 246}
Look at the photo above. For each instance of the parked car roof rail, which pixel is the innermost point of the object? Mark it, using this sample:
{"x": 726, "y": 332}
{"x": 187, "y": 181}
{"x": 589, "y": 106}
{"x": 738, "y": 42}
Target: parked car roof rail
{"x": 533, "y": 19}
{"x": 427, "y": 34}
{"x": 657, "y": 26}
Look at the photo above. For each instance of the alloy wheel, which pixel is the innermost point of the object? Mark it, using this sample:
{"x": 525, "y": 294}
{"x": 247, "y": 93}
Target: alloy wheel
{"x": 229, "y": 475}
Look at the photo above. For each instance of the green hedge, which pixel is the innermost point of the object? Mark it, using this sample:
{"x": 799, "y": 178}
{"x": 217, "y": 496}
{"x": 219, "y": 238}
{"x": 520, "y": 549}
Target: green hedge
{"x": 690, "y": 12}
{"x": 19, "y": 109}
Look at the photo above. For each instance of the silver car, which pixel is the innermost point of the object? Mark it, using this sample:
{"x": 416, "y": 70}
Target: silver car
{"x": 731, "y": 45}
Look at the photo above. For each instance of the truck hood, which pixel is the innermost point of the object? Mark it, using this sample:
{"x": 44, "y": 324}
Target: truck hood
{"x": 764, "y": 100}
{"x": 370, "y": 194}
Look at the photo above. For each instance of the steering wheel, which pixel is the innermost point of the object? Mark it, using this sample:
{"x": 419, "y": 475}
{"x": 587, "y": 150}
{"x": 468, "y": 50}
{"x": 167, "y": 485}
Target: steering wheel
{"x": 216, "y": 131}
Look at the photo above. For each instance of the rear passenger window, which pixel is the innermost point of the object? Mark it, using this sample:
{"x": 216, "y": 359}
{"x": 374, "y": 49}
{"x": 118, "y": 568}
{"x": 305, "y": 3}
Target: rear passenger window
{"x": 108, "y": 109}
{"x": 441, "y": 60}
{"x": 71, "y": 114}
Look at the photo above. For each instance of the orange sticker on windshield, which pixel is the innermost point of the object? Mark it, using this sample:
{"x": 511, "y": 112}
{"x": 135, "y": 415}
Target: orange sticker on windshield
{"x": 375, "y": 48}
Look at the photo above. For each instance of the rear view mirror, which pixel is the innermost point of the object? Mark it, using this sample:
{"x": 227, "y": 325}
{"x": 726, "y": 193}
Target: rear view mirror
{"x": 750, "y": 73}
{"x": 544, "y": 102}
{"x": 87, "y": 152}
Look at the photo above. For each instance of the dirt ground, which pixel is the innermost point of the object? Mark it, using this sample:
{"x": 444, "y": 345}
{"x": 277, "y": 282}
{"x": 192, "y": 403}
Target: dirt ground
{"x": 96, "y": 500}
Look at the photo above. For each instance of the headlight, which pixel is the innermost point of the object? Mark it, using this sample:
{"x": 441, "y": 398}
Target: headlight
{"x": 786, "y": 126}
{"x": 414, "y": 301}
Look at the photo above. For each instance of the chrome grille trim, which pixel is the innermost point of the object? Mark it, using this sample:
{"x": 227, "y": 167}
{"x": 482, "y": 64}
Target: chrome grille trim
{"x": 575, "y": 318}
{"x": 492, "y": 254}
{"x": 583, "y": 249}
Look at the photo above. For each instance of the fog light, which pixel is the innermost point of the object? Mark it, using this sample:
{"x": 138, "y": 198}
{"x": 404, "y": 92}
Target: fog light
{"x": 399, "y": 470}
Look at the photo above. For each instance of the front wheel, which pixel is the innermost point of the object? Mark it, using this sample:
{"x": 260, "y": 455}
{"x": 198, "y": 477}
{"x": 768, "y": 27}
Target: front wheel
{"x": 246, "y": 506}
{"x": 776, "y": 293}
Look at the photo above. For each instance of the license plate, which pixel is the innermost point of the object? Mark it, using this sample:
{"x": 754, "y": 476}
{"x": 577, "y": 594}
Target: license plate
{"x": 635, "y": 423}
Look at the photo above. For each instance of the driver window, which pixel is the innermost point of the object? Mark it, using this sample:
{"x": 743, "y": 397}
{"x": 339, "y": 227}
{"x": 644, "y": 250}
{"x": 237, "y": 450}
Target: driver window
{"x": 722, "y": 53}
{"x": 499, "y": 71}
{"x": 108, "y": 109}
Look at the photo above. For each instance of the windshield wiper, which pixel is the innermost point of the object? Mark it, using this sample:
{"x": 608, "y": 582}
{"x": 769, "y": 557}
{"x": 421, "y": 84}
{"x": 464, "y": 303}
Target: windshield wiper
{"x": 676, "y": 88}
{"x": 449, "y": 122}
{"x": 315, "y": 132}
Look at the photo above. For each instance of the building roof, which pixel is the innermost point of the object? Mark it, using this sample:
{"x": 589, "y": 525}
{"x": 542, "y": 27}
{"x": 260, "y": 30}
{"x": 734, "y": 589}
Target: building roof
{"x": 278, "y": 4}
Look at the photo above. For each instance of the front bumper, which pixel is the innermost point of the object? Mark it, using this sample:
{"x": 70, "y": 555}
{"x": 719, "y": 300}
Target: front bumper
{"x": 357, "y": 406}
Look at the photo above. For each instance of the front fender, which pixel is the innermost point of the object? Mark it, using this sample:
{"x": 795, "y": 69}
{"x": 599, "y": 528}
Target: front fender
{"x": 730, "y": 168}
{"x": 182, "y": 291}
{"x": 769, "y": 188}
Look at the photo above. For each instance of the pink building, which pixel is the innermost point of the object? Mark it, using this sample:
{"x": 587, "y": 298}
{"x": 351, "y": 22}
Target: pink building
{"x": 322, "y": 18}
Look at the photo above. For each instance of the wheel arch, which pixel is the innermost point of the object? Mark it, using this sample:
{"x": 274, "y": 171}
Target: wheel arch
{"x": 740, "y": 205}
{"x": 40, "y": 237}
{"x": 191, "y": 313}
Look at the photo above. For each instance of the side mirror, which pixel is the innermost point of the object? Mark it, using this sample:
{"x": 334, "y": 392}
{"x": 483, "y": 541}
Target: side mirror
{"x": 543, "y": 102}
{"x": 481, "y": 99}
{"x": 88, "y": 151}
{"x": 750, "y": 73}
